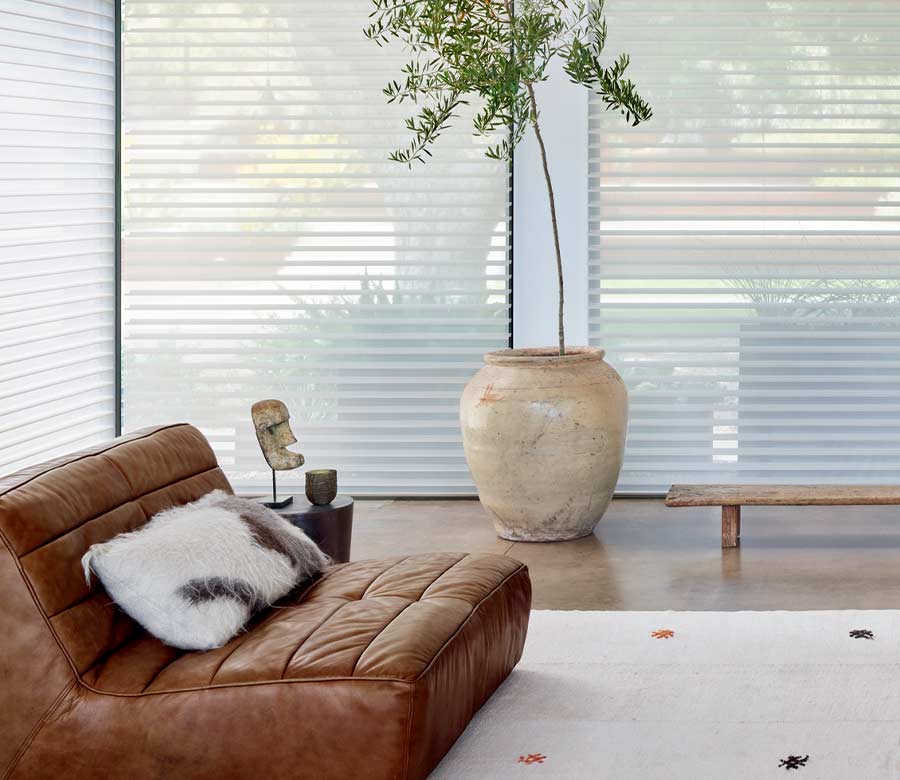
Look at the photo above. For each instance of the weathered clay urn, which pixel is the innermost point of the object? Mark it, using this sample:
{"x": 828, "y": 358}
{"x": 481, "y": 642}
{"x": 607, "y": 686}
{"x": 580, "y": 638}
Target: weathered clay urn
{"x": 544, "y": 437}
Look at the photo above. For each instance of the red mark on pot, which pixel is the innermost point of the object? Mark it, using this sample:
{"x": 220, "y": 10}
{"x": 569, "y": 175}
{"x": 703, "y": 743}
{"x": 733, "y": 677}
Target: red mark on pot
{"x": 489, "y": 396}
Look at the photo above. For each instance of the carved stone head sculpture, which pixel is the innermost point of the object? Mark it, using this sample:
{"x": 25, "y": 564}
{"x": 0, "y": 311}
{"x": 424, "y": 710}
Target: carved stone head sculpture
{"x": 273, "y": 431}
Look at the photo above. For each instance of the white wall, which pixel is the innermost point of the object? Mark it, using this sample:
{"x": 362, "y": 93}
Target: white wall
{"x": 564, "y": 124}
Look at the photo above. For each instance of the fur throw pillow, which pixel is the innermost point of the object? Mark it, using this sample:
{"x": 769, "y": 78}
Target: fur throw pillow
{"x": 194, "y": 574}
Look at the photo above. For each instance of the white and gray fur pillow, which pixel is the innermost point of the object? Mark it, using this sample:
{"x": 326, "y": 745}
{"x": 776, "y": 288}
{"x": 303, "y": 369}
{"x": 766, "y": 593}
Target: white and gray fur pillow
{"x": 195, "y": 574}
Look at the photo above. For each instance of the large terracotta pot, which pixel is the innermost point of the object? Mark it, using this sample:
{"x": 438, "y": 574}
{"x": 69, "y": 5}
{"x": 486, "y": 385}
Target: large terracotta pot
{"x": 544, "y": 436}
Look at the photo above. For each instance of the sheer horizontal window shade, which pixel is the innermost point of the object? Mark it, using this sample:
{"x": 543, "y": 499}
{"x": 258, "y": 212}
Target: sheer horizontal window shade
{"x": 744, "y": 244}
{"x": 272, "y": 250}
{"x": 57, "y": 223}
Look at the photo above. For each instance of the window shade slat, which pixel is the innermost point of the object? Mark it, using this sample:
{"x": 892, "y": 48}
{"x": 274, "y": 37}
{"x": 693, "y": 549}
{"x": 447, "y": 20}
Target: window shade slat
{"x": 743, "y": 244}
{"x": 271, "y": 250}
{"x": 57, "y": 219}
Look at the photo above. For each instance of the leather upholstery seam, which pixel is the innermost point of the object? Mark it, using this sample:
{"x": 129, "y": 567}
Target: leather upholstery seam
{"x": 249, "y": 684}
{"x": 522, "y": 567}
{"x": 38, "y": 605}
{"x": 381, "y": 574}
{"x": 86, "y": 597}
{"x": 35, "y": 730}
{"x": 132, "y": 500}
{"x": 415, "y": 601}
{"x": 156, "y": 674}
{"x": 409, "y": 721}
{"x": 310, "y": 635}
{"x": 463, "y": 557}
{"x": 221, "y": 663}
{"x": 116, "y": 467}
{"x": 149, "y": 433}
{"x": 380, "y": 632}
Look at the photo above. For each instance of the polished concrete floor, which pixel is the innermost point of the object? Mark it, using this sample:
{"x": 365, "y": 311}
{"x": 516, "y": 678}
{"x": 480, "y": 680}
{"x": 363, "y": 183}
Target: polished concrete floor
{"x": 644, "y": 556}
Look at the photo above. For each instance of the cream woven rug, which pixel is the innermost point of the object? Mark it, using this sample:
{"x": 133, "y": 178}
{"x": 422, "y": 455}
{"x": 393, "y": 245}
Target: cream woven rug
{"x": 693, "y": 696}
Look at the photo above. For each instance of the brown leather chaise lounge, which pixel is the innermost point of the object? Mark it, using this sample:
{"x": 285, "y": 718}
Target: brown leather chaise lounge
{"x": 371, "y": 672}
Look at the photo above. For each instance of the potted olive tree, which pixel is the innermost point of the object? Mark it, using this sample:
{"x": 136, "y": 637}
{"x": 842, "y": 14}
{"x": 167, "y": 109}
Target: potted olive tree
{"x": 543, "y": 428}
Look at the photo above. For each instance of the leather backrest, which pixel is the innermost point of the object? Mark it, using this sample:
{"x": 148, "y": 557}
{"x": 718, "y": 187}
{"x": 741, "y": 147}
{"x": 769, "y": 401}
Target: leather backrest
{"x": 51, "y": 513}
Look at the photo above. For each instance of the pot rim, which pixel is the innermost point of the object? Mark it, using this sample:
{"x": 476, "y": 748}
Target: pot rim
{"x": 538, "y": 357}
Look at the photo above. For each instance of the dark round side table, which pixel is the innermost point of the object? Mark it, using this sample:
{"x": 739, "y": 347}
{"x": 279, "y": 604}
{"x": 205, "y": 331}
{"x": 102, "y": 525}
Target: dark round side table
{"x": 329, "y": 526}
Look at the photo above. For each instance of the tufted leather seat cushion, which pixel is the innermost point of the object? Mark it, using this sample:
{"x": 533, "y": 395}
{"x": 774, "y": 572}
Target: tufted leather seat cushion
{"x": 371, "y": 672}
{"x": 370, "y": 619}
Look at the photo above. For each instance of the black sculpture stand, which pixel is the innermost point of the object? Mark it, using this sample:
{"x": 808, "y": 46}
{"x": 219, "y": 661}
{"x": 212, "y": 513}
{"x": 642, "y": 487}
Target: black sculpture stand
{"x": 275, "y": 503}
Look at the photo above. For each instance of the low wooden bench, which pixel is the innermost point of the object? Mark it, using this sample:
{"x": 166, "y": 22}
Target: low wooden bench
{"x": 732, "y": 497}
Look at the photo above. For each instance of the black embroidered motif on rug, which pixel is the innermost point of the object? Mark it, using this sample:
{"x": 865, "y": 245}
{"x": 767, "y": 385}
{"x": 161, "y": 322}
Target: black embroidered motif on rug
{"x": 862, "y": 633}
{"x": 793, "y": 762}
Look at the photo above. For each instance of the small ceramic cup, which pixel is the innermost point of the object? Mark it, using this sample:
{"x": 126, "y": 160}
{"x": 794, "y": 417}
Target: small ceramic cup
{"x": 321, "y": 486}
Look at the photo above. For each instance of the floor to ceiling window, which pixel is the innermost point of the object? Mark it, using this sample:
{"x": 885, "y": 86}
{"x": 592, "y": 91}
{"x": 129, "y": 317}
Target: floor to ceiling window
{"x": 744, "y": 244}
{"x": 57, "y": 228}
{"x": 270, "y": 248}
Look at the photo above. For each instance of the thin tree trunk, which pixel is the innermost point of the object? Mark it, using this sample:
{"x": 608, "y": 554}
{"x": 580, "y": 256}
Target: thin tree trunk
{"x": 559, "y": 268}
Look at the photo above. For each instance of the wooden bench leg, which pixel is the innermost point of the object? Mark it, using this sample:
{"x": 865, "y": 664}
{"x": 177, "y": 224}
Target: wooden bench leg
{"x": 731, "y": 525}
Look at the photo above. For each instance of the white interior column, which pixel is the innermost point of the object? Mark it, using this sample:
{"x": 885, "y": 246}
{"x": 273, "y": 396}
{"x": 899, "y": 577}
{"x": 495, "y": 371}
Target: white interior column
{"x": 564, "y": 125}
